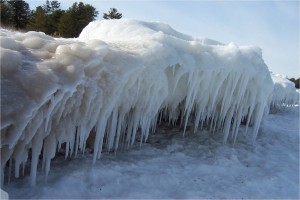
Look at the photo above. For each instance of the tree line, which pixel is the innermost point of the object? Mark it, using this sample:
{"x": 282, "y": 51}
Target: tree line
{"x": 50, "y": 18}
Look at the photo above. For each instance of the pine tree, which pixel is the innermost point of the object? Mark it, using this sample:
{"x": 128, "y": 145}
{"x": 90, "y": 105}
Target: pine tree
{"x": 66, "y": 28}
{"x": 46, "y": 18}
{"x": 6, "y": 13}
{"x": 15, "y": 13}
{"x": 54, "y": 15}
{"x": 75, "y": 19}
{"x": 51, "y": 6}
{"x": 38, "y": 21}
{"x": 21, "y": 13}
{"x": 112, "y": 14}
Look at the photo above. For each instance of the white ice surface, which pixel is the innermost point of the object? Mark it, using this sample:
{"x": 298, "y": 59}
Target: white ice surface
{"x": 197, "y": 166}
{"x": 118, "y": 79}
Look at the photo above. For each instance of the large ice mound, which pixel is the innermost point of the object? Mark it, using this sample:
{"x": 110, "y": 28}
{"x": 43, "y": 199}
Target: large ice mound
{"x": 119, "y": 79}
{"x": 285, "y": 93}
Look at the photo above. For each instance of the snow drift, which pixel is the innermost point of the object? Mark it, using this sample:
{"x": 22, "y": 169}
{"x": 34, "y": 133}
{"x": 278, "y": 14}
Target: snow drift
{"x": 285, "y": 93}
{"x": 118, "y": 80}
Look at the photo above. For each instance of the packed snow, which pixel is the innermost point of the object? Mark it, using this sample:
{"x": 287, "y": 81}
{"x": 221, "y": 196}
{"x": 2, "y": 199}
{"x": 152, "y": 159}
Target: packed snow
{"x": 113, "y": 85}
{"x": 198, "y": 166}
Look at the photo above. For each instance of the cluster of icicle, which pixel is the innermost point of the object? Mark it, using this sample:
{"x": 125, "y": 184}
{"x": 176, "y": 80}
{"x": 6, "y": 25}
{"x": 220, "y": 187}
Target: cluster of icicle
{"x": 284, "y": 93}
{"x": 118, "y": 79}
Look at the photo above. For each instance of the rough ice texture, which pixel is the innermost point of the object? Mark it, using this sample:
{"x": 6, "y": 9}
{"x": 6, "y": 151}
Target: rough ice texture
{"x": 118, "y": 80}
{"x": 285, "y": 93}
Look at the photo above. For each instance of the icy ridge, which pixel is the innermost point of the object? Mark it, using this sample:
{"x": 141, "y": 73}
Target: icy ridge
{"x": 117, "y": 80}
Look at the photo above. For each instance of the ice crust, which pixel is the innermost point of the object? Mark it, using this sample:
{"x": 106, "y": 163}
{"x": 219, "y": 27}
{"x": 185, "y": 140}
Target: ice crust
{"x": 119, "y": 79}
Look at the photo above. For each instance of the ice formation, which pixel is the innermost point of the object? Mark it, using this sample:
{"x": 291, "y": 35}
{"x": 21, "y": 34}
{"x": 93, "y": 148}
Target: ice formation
{"x": 4, "y": 195}
{"x": 118, "y": 80}
{"x": 285, "y": 93}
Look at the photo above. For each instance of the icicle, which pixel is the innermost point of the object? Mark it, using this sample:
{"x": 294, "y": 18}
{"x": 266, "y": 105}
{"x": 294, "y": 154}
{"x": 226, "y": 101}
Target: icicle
{"x": 67, "y": 150}
{"x": 227, "y": 124}
{"x": 49, "y": 147}
{"x": 185, "y": 125}
{"x": 77, "y": 142}
{"x": 99, "y": 138}
{"x": 129, "y": 133}
{"x": 120, "y": 122}
{"x": 72, "y": 145}
{"x": 9, "y": 170}
{"x": 249, "y": 116}
{"x": 37, "y": 144}
{"x": 134, "y": 127}
{"x": 23, "y": 168}
{"x": 257, "y": 121}
{"x": 17, "y": 169}
{"x": 112, "y": 130}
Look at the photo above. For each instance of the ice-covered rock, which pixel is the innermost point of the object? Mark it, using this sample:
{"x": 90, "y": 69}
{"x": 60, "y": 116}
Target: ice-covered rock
{"x": 118, "y": 79}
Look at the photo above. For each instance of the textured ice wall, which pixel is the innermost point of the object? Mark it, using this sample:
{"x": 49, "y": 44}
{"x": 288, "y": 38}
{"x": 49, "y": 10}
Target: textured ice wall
{"x": 119, "y": 79}
{"x": 285, "y": 93}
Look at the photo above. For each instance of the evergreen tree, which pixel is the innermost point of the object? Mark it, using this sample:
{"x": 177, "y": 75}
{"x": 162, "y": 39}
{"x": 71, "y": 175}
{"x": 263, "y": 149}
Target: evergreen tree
{"x": 55, "y": 18}
{"x": 66, "y": 28}
{"x": 38, "y": 21}
{"x": 54, "y": 14}
{"x": 15, "y": 13}
{"x": 75, "y": 19}
{"x": 296, "y": 81}
{"x": 46, "y": 18}
{"x": 6, "y": 13}
{"x": 112, "y": 14}
{"x": 21, "y": 13}
{"x": 51, "y": 6}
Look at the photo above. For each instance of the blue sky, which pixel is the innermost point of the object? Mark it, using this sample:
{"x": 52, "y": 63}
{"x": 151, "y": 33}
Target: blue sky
{"x": 271, "y": 25}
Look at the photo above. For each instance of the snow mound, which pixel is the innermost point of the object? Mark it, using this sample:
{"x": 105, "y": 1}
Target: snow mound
{"x": 114, "y": 83}
{"x": 285, "y": 93}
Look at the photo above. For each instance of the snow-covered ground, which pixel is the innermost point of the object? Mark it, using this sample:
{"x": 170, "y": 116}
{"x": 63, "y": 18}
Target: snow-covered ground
{"x": 170, "y": 166}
